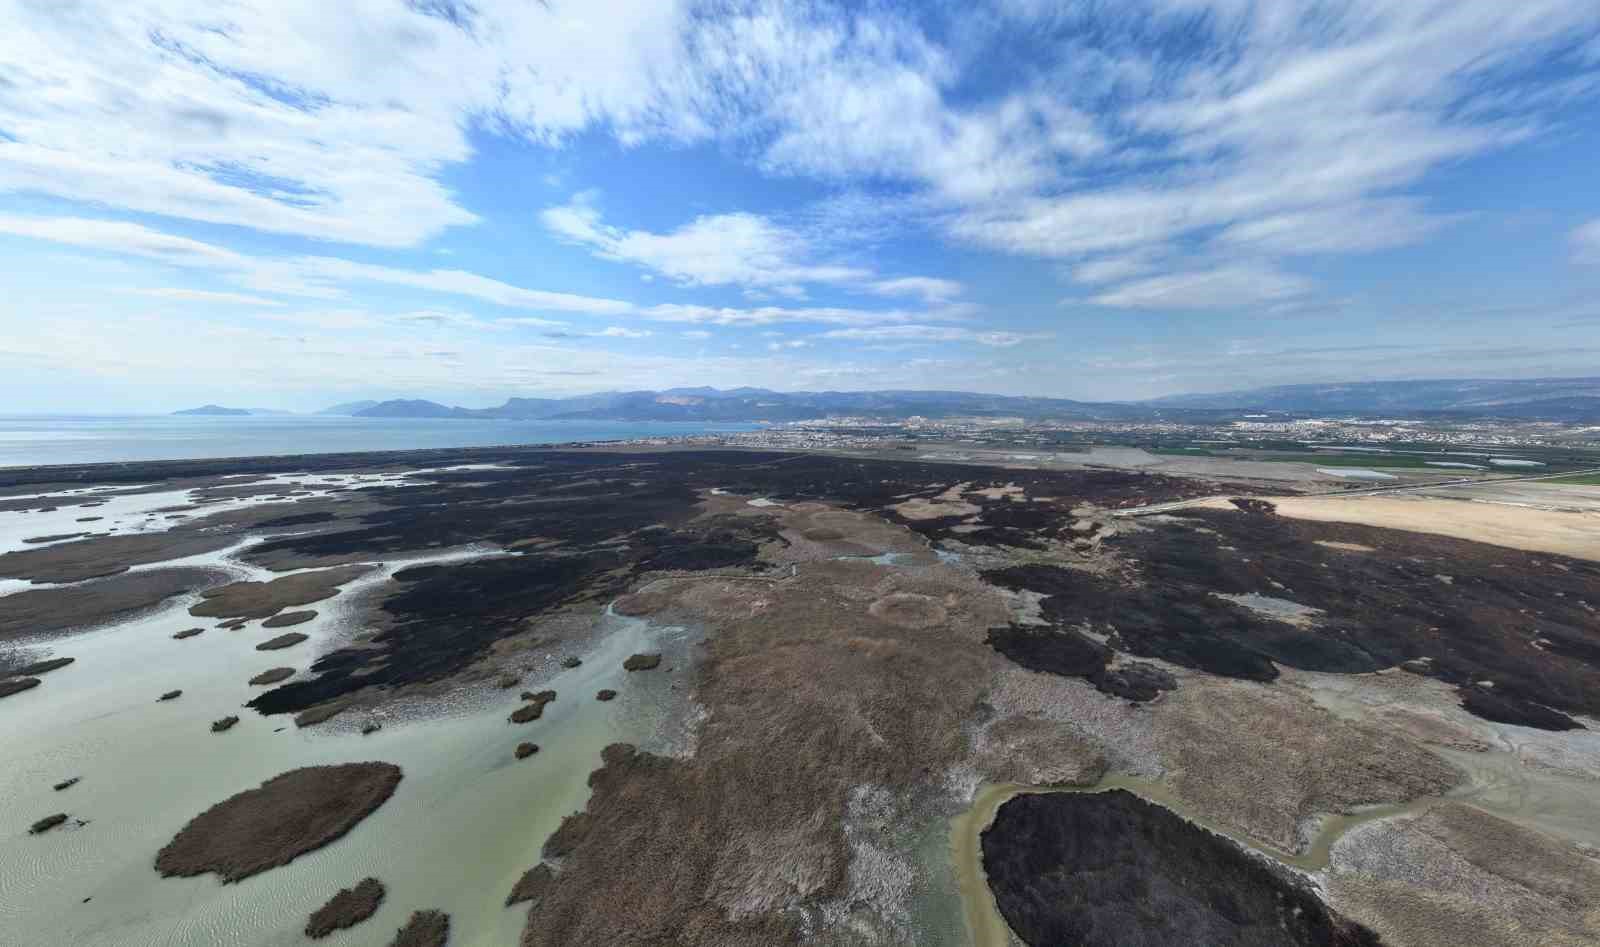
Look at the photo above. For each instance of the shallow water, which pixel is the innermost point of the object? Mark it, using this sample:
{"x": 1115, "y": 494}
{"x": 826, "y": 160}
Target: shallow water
{"x": 126, "y": 513}
{"x": 466, "y": 821}
{"x": 27, "y": 440}
{"x": 1355, "y": 473}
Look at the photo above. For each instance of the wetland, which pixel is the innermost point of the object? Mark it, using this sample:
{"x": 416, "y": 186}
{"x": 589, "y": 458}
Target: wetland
{"x": 750, "y": 697}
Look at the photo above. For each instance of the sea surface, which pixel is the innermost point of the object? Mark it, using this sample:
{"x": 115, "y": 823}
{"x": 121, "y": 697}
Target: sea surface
{"x": 29, "y": 440}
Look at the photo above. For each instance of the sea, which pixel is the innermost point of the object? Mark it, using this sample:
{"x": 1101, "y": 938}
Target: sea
{"x": 34, "y": 440}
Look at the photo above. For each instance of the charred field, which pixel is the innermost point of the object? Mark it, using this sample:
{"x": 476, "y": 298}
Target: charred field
{"x": 1109, "y": 869}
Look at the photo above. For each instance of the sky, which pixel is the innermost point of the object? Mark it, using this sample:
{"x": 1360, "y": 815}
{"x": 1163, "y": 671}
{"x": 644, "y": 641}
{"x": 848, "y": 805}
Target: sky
{"x": 287, "y": 203}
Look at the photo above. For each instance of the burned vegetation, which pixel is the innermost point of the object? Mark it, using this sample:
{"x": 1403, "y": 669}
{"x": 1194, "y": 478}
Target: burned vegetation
{"x": 1109, "y": 868}
{"x": 1516, "y": 632}
{"x": 587, "y": 526}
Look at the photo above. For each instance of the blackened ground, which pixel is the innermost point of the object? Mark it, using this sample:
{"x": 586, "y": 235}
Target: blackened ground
{"x": 447, "y": 616}
{"x": 1068, "y": 653}
{"x": 590, "y": 523}
{"x": 1475, "y": 612}
{"x": 1109, "y": 868}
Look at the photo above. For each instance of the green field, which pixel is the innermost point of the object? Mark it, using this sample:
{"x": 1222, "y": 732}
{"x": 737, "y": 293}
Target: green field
{"x": 1592, "y": 480}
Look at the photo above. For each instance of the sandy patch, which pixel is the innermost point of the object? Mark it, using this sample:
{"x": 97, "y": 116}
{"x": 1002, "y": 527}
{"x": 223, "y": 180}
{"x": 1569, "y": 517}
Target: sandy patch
{"x": 1563, "y": 533}
{"x": 1344, "y": 547}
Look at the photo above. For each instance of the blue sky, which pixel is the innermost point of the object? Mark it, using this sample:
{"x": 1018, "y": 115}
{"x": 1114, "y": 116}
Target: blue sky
{"x": 258, "y": 203}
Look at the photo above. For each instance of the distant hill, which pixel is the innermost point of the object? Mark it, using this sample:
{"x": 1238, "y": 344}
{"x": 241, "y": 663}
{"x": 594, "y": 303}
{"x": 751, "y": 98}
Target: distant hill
{"x": 1533, "y": 398}
{"x": 757, "y": 404}
{"x": 413, "y": 408}
{"x": 349, "y": 408}
{"x": 1559, "y": 399}
{"x": 215, "y": 410}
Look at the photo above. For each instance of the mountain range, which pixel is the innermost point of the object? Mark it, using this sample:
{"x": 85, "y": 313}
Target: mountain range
{"x": 1555, "y": 399}
{"x": 759, "y": 404}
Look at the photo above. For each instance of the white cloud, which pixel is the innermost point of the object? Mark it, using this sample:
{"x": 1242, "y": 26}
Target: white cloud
{"x": 1356, "y": 226}
{"x": 1159, "y": 133}
{"x": 271, "y": 114}
{"x": 713, "y": 250}
{"x": 1586, "y": 242}
{"x": 620, "y": 332}
{"x": 332, "y": 271}
{"x": 927, "y": 334}
{"x": 205, "y": 296}
{"x": 695, "y": 334}
{"x": 1284, "y": 130}
{"x": 787, "y": 344}
{"x": 779, "y": 315}
{"x": 1110, "y": 269}
{"x": 932, "y": 290}
{"x": 734, "y": 249}
{"x": 120, "y": 237}
{"x": 1222, "y": 287}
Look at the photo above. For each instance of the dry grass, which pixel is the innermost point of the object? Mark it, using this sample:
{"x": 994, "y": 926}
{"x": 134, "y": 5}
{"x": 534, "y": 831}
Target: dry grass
{"x": 288, "y": 815}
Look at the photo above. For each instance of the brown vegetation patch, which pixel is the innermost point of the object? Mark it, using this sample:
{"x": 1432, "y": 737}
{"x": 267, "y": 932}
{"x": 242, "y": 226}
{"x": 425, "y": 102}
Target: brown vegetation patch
{"x": 224, "y": 725}
{"x": 919, "y": 509}
{"x": 42, "y": 667}
{"x": 909, "y": 610}
{"x": 312, "y": 716}
{"x": 41, "y": 612}
{"x": 532, "y": 885}
{"x": 187, "y": 633}
{"x": 425, "y": 929}
{"x": 16, "y": 685}
{"x": 534, "y": 709}
{"x": 1302, "y": 760}
{"x": 605, "y": 694}
{"x": 263, "y": 599}
{"x": 272, "y": 676}
{"x": 348, "y": 908}
{"x": 642, "y": 662}
{"x": 287, "y": 619}
{"x": 282, "y": 641}
{"x": 1031, "y": 751}
{"x": 47, "y": 823}
{"x": 288, "y": 815}
{"x": 525, "y": 750}
{"x": 822, "y": 534}
{"x": 1457, "y": 876}
{"x": 170, "y": 695}
{"x": 806, "y": 707}
{"x": 640, "y": 604}
{"x": 105, "y": 555}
